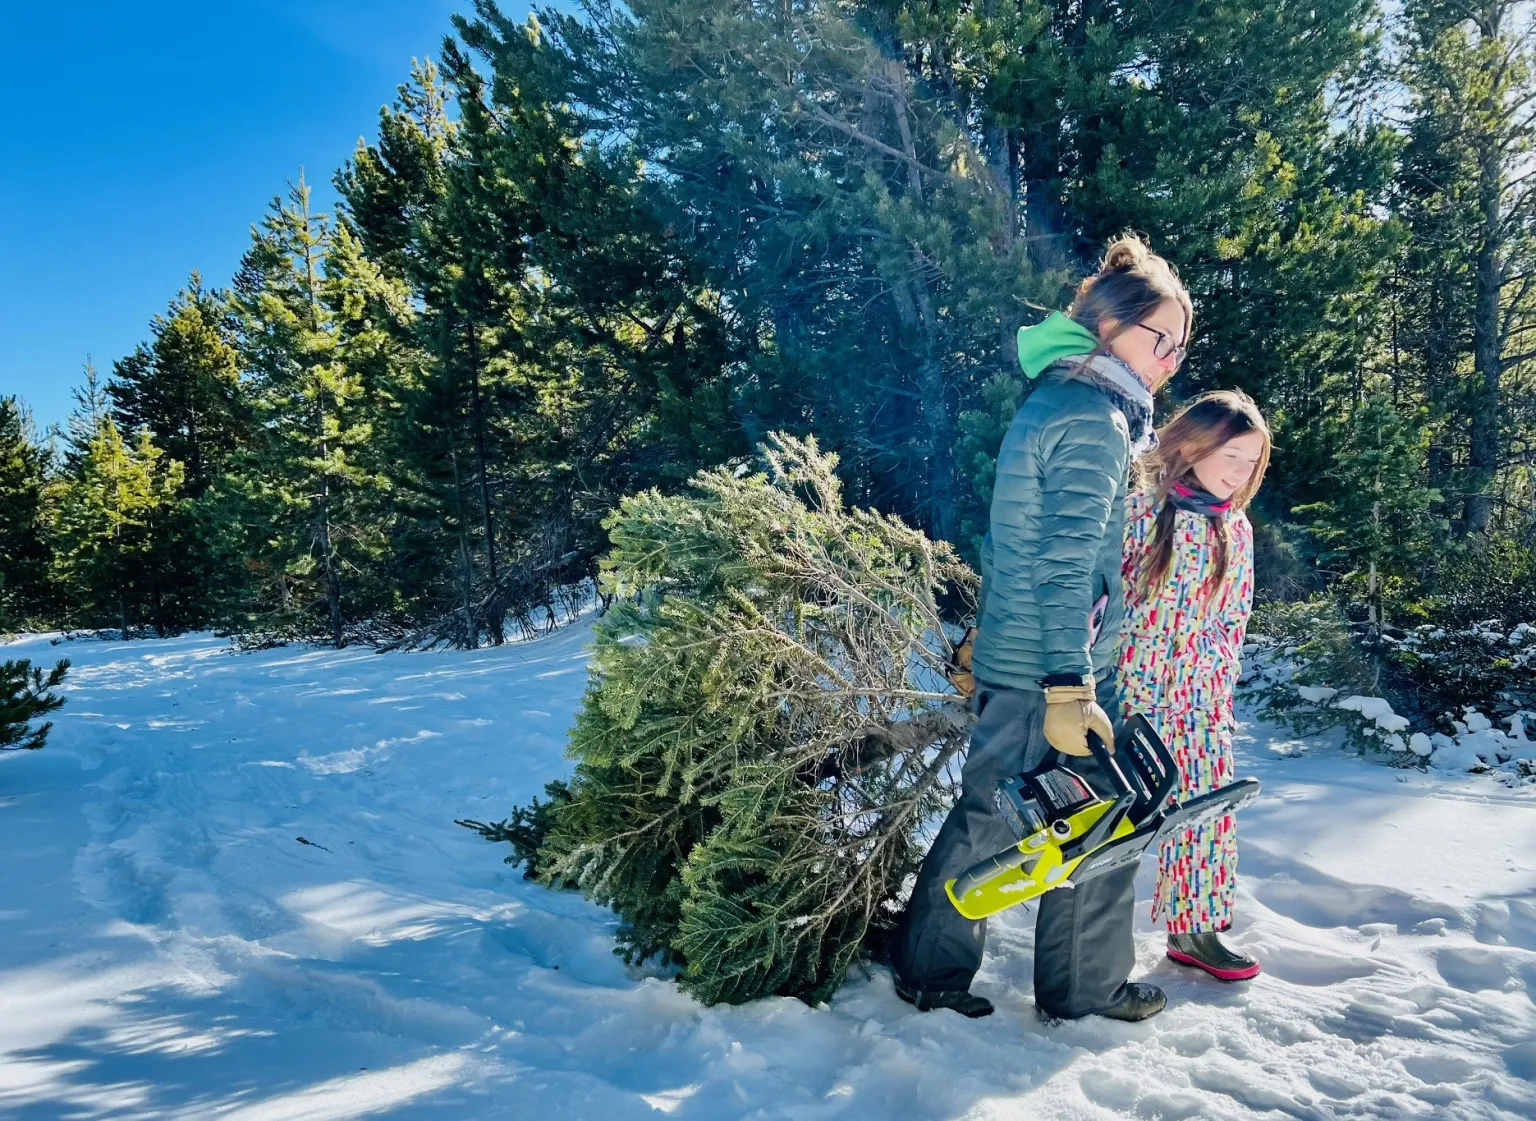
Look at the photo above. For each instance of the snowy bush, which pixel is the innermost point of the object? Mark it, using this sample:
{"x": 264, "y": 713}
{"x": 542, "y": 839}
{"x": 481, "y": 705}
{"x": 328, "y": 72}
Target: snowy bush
{"x": 766, "y": 731}
{"x": 1317, "y": 673}
{"x": 1440, "y": 670}
{"x": 1299, "y": 659}
{"x": 1475, "y": 744}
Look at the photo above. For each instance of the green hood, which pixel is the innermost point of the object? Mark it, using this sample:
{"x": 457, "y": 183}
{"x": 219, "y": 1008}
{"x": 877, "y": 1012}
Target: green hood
{"x": 1057, "y": 338}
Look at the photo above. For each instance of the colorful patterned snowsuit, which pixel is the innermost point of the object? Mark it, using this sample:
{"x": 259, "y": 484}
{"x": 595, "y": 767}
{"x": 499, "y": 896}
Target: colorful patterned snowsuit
{"x": 1178, "y": 664}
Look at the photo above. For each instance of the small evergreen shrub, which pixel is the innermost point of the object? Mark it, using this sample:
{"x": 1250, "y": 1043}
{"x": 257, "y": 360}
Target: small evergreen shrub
{"x": 1485, "y": 666}
{"x": 26, "y": 693}
{"x": 1409, "y": 692}
{"x": 1317, "y": 644}
{"x": 1310, "y": 667}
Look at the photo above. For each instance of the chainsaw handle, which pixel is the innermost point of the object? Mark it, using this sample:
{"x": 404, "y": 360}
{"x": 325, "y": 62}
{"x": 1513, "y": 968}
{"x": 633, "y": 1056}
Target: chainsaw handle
{"x": 1104, "y": 756}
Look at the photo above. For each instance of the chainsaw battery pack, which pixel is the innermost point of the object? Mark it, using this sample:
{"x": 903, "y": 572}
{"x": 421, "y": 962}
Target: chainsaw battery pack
{"x": 1030, "y": 802}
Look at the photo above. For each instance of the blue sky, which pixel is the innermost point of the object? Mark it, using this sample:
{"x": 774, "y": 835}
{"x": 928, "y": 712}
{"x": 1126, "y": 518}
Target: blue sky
{"x": 141, "y": 140}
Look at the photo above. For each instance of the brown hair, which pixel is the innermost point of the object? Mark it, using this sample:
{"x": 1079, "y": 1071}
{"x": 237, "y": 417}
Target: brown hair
{"x": 1131, "y": 282}
{"x": 1197, "y": 430}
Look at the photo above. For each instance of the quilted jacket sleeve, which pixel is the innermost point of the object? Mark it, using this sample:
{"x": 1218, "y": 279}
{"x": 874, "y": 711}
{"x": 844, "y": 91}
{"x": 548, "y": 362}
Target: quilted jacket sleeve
{"x": 1083, "y": 462}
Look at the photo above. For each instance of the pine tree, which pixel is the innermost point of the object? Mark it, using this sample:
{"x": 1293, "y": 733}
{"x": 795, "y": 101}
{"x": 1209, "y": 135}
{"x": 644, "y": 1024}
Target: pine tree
{"x": 184, "y": 385}
{"x": 885, "y": 210}
{"x": 113, "y": 559}
{"x": 605, "y": 357}
{"x": 767, "y": 728}
{"x": 84, "y": 421}
{"x": 299, "y": 510}
{"x": 839, "y": 198}
{"x": 554, "y": 351}
{"x": 391, "y": 187}
{"x": 1378, "y": 528}
{"x": 1470, "y": 70}
{"x": 25, "y": 694}
{"x": 25, "y": 595}
{"x": 445, "y": 401}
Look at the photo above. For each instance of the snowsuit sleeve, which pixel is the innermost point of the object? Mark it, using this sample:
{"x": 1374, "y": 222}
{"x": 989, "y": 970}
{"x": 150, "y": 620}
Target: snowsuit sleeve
{"x": 1140, "y": 517}
{"x": 1216, "y": 648}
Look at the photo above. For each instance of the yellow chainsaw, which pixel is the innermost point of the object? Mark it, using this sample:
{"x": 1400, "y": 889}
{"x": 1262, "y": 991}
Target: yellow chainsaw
{"x": 1068, "y": 833}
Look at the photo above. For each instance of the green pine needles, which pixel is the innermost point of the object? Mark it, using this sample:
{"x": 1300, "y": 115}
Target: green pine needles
{"x": 766, "y": 731}
{"x": 26, "y": 693}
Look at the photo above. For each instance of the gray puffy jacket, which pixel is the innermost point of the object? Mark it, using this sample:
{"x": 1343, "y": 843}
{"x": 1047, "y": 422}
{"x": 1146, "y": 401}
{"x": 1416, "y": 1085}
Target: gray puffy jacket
{"x": 1058, "y": 518}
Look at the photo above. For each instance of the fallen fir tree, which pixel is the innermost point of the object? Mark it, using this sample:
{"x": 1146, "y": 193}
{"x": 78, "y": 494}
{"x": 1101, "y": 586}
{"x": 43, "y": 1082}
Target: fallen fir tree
{"x": 766, "y": 730}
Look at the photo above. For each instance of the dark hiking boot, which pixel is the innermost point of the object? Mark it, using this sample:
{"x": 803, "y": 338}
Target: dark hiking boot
{"x": 1208, "y": 952}
{"x": 927, "y": 1000}
{"x": 1135, "y": 1001}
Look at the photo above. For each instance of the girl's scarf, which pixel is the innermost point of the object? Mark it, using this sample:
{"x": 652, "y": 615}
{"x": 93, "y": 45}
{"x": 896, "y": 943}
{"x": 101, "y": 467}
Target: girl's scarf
{"x": 1197, "y": 500}
{"x": 1130, "y": 394}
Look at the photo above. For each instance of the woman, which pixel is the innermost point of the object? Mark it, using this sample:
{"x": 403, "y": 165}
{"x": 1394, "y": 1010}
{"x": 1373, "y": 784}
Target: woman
{"x": 1043, "y": 674}
{"x": 1188, "y": 585}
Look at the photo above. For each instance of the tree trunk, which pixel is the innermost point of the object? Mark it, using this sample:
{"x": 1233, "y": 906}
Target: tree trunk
{"x": 477, "y": 418}
{"x": 332, "y": 578}
{"x": 1439, "y": 370}
{"x": 1486, "y": 360}
{"x": 466, "y": 568}
{"x": 1045, "y": 221}
{"x": 1374, "y": 596}
{"x": 1003, "y": 154}
{"x": 916, "y": 307}
{"x": 1047, "y": 232}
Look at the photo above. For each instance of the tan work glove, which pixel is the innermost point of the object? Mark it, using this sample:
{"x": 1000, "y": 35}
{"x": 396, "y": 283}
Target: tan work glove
{"x": 958, "y": 668}
{"x": 1071, "y": 711}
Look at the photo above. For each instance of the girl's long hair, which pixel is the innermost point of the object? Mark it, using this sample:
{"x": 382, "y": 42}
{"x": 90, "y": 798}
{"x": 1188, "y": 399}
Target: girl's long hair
{"x": 1197, "y": 430}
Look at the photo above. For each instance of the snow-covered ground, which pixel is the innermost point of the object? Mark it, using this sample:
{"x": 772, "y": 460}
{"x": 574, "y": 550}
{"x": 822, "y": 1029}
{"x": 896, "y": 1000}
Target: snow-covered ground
{"x": 170, "y": 948}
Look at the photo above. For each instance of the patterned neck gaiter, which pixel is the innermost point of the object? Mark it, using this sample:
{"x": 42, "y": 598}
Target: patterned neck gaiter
{"x": 1197, "y": 500}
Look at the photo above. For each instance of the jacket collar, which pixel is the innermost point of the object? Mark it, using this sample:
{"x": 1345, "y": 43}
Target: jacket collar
{"x": 1127, "y": 390}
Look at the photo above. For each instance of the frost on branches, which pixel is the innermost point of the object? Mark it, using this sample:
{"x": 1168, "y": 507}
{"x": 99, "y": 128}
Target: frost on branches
{"x": 766, "y": 730}
{"x": 1314, "y": 676}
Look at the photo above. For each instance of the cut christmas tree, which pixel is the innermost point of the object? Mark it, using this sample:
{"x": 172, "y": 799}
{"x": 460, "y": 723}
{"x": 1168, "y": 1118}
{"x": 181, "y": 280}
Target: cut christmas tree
{"x": 767, "y": 728}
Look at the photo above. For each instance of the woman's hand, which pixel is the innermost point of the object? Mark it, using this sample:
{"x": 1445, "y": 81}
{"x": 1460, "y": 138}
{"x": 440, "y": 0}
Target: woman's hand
{"x": 1071, "y": 712}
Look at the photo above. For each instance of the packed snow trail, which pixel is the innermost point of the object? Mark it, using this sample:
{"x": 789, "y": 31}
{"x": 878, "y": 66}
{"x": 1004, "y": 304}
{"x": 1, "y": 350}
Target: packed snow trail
{"x": 173, "y": 949}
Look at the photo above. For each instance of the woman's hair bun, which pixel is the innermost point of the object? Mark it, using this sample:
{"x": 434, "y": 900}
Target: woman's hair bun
{"x": 1126, "y": 252}
{"x": 1131, "y": 281}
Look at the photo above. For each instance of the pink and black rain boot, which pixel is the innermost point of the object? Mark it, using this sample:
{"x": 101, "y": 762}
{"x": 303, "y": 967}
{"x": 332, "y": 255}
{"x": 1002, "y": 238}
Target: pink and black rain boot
{"x": 1207, "y": 952}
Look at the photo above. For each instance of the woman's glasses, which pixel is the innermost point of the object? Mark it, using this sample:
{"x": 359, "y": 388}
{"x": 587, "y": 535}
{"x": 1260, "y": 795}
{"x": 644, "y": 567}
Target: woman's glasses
{"x": 1165, "y": 345}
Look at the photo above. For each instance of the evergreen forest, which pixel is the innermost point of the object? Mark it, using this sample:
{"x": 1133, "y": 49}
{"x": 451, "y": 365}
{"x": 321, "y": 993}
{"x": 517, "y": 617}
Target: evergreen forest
{"x": 590, "y": 255}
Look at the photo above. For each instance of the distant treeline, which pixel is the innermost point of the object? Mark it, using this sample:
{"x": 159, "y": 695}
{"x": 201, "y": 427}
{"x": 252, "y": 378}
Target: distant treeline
{"x": 590, "y": 255}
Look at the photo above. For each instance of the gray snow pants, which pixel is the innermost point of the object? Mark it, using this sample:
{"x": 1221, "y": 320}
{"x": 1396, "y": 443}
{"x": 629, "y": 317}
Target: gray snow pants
{"x": 1083, "y": 945}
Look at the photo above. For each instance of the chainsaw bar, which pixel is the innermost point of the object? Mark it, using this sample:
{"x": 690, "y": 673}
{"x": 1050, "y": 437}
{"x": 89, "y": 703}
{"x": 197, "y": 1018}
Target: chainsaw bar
{"x": 1196, "y": 811}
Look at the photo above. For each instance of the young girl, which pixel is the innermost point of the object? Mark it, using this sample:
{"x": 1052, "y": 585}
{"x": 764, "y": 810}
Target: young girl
{"x": 1187, "y": 576}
